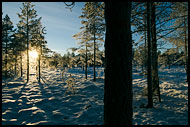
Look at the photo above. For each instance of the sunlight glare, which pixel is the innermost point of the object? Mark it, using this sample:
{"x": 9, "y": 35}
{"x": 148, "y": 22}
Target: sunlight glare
{"x": 33, "y": 54}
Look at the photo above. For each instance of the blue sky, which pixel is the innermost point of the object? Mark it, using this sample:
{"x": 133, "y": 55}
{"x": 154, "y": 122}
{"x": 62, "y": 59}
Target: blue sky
{"x": 60, "y": 22}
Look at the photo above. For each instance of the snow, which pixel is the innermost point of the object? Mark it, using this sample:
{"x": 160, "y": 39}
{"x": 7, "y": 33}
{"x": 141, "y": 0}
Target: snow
{"x": 174, "y": 106}
{"x": 50, "y": 102}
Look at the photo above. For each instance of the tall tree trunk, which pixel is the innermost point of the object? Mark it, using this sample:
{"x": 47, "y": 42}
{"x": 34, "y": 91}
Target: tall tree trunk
{"x": 149, "y": 75}
{"x": 39, "y": 76}
{"x": 145, "y": 48}
{"x": 86, "y": 61}
{"x": 186, "y": 53}
{"x": 15, "y": 64}
{"x": 145, "y": 41}
{"x": 27, "y": 48}
{"x": 94, "y": 54}
{"x": 155, "y": 78}
{"x": 188, "y": 64}
{"x": 20, "y": 65}
{"x": 168, "y": 61}
{"x": 20, "y": 60}
{"x": 118, "y": 66}
{"x": 6, "y": 53}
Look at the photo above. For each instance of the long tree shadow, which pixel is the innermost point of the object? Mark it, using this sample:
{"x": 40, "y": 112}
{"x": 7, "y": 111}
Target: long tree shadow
{"x": 172, "y": 111}
{"x": 70, "y": 108}
{"x": 11, "y": 93}
{"x": 46, "y": 103}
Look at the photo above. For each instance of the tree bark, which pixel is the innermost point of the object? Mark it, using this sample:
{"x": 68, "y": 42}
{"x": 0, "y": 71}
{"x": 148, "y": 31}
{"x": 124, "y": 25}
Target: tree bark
{"x": 94, "y": 55}
{"x": 188, "y": 64}
{"x": 118, "y": 64}
{"x": 145, "y": 48}
{"x": 145, "y": 41}
{"x": 149, "y": 75}
{"x": 27, "y": 47}
{"x": 40, "y": 53}
{"x": 86, "y": 61}
{"x": 155, "y": 78}
{"x": 15, "y": 64}
{"x": 6, "y": 53}
{"x": 94, "y": 32}
{"x": 186, "y": 53}
{"x": 21, "y": 65}
{"x": 20, "y": 59}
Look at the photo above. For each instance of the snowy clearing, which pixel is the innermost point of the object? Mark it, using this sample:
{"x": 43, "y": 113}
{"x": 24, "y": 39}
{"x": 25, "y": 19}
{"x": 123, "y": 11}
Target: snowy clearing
{"x": 50, "y": 103}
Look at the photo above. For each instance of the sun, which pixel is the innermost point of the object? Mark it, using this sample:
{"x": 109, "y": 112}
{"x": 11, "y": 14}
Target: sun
{"x": 33, "y": 54}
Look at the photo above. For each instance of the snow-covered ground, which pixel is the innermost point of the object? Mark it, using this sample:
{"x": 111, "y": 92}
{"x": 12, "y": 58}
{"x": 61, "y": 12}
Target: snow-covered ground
{"x": 173, "y": 109}
{"x": 51, "y": 102}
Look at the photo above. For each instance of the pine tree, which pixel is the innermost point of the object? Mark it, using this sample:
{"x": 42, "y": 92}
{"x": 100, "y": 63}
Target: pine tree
{"x": 16, "y": 48}
{"x": 21, "y": 38}
{"x": 118, "y": 64}
{"x": 162, "y": 14}
{"x": 93, "y": 15}
{"x": 139, "y": 22}
{"x": 28, "y": 19}
{"x": 139, "y": 25}
{"x": 77, "y": 60}
{"x": 7, "y": 34}
{"x": 179, "y": 37}
{"x": 84, "y": 46}
{"x": 38, "y": 42}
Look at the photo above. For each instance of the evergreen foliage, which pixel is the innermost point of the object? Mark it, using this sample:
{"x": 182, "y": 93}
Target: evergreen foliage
{"x": 7, "y": 39}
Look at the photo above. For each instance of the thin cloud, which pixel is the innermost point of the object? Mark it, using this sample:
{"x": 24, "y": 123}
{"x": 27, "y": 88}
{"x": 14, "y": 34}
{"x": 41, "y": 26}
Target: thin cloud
{"x": 57, "y": 8}
{"x": 57, "y": 23}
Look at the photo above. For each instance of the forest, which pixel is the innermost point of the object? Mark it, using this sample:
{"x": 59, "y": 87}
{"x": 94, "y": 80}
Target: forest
{"x": 131, "y": 67}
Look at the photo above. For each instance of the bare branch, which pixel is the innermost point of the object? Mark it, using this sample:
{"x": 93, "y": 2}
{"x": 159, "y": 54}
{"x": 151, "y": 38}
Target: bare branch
{"x": 69, "y": 6}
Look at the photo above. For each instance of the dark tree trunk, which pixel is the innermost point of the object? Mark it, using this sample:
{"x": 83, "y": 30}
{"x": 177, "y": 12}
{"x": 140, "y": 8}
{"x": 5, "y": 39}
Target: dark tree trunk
{"x": 6, "y": 53}
{"x": 188, "y": 59}
{"x": 15, "y": 64}
{"x": 94, "y": 32}
{"x": 39, "y": 76}
{"x": 20, "y": 60}
{"x": 149, "y": 75}
{"x": 39, "y": 69}
{"x": 145, "y": 47}
{"x": 188, "y": 65}
{"x": 21, "y": 65}
{"x": 155, "y": 78}
{"x": 94, "y": 55}
{"x": 186, "y": 53}
{"x": 86, "y": 61}
{"x": 118, "y": 66}
{"x": 27, "y": 47}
